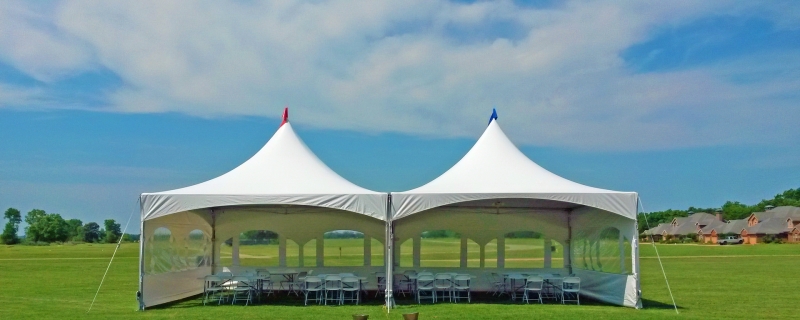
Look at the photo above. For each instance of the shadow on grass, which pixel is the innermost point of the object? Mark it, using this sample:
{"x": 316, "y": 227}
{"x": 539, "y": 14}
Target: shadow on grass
{"x": 278, "y": 299}
{"x": 652, "y": 304}
{"x": 281, "y": 299}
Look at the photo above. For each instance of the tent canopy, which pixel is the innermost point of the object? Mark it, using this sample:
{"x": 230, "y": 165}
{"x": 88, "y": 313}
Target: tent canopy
{"x": 283, "y": 188}
{"x": 283, "y": 172}
{"x": 495, "y": 190}
{"x": 494, "y": 169}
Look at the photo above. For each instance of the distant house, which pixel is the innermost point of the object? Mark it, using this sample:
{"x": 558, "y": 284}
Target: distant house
{"x": 682, "y": 227}
{"x": 711, "y": 232}
{"x": 779, "y": 222}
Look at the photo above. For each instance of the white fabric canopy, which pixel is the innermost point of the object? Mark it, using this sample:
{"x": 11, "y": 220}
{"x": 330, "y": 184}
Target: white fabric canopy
{"x": 283, "y": 172}
{"x": 494, "y": 169}
{"x": 593, "y": 224}
{"x": 183, "y": 229}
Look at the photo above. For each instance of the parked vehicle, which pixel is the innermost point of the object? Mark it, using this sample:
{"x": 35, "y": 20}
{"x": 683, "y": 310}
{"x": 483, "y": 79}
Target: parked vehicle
{"x": 730, "y": 240}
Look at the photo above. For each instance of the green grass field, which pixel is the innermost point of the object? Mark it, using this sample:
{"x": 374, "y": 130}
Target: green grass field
{"x": 520, "y": 253}
{"x": 709, "y": 282}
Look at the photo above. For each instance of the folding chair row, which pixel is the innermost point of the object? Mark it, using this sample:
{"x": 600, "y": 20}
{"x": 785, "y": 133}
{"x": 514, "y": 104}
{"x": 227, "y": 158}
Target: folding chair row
{"x": 569, "y": 289}
{"x": 333, "y": 288}
{"x": 454, "y": 288}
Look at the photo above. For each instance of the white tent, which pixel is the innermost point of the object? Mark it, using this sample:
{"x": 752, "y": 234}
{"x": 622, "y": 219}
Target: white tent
{"x": 283, "y": 188}
{"x": 495, "y": 190}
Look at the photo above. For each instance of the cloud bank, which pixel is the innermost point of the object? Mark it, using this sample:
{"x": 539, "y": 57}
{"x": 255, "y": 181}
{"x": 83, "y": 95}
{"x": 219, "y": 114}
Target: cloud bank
{"x": 557, "y": 71}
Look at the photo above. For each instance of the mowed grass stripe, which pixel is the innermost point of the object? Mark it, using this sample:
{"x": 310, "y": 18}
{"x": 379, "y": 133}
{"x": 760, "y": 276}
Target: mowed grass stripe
{"x": 724, "y": 256}
{"x": 705, "y": 286}
{"x": 63, "y": 258}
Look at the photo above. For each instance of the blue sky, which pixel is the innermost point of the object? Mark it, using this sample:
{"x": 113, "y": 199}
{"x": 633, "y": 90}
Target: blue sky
{"x": 687, "y": 103}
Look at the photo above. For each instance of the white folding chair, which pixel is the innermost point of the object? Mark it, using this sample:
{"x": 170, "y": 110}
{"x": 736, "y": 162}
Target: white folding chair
{"x": 333, "y": 289}
{"x": 296, "y": 286}
{"x": 461, "y": 284}
{"x": 380, "y": 279}
{"x": 406, "y": 283}
{"x": 425, "y": 284}
{"x": 498, "y": 285}
{"x": 241, "y": 286}
{"x": 570, "y": 289}
{"x": 313, "y": 285}
{"x": 351, "y": 285}
{"x": 226, "y": 276}
{"x": 552, "y": 287}
{"x": 533, "y": 285}
{"x": 443, "y": 282}
{"x": 288, "y": 279}
{"x": 516, "y": 284}
{"x": 266, "y": 281}
{"x": 213, "y": 287}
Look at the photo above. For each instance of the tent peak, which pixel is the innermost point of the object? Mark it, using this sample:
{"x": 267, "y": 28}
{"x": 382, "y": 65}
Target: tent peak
{"x": 493, "y": 116}
{"x": 285, "y": 116}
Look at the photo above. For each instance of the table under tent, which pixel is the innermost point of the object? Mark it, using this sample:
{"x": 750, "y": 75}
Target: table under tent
{"x": 495, "y": 198}
{"x": 284, "y": 188}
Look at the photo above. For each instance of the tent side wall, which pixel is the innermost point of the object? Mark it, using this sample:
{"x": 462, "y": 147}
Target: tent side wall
{"x": 480, "y": 228}
{"x": 299, "y": 225}
{"x": 603, "y": 255}
{"x": 176, "y": 254}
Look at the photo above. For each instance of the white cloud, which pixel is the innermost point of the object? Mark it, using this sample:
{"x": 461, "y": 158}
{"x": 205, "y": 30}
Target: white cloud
{"x": 33, "y": 45}
{"x": 404, "y": 67}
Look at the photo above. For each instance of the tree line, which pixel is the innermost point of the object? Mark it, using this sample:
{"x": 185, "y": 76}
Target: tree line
{"x": 45, "y": 228}
{"x": 731, "y": 210}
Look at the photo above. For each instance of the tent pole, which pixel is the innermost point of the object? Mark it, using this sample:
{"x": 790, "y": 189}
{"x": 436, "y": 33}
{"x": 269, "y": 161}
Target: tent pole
{"x": 213, "y": 241}
{"x": 389, "y": 242}
{"x": 568, "y": 253}
{"x": 140, "y": 295}
{"x": 635, "y": 263}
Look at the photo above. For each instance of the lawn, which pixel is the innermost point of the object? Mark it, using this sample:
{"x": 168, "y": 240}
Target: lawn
{"x": 441, "y": 252}
{"x": 709, "y": 282}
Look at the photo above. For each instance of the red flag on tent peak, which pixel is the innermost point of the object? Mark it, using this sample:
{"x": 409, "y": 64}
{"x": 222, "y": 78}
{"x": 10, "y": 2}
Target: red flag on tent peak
{"x": 285, "y": 116}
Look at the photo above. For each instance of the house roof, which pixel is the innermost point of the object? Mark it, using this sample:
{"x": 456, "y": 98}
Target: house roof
{"x": 779, "y": 212}
{"x": 684, "y": 225}
{"x": 713, "y": 225}
{"x": 732, "y": 226}
{"x": 683, "y": 229}
{"x": 657, "y": 229}
{"x": 773, "y": 225}
{"x": 695, "y": 218}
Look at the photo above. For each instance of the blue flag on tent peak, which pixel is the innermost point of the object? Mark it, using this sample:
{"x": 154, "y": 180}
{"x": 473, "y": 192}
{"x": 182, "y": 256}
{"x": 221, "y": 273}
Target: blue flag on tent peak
{"x": 493, "y": 117}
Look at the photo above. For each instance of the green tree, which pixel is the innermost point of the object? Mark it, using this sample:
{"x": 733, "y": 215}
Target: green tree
{"x": 91, "y": 232}
{"x": 53, "y": 228}
{"x": 9, "y": 235}
{"x": 75, "y": 229}
{"x": 654, "y": 218}
{"x": 112, "y": 232}
{"x": 734, "y": 210}
{"x": 127, "y": 237}
{"x": 259, "y": 235}
{"x": 34, "y": 218}
{"x": 789, "y": 197}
